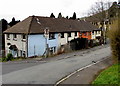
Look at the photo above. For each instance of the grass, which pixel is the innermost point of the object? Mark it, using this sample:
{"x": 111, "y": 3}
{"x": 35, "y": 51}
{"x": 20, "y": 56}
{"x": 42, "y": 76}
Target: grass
{"x": 109, "y": 76}
{"x": 0, "y": 59}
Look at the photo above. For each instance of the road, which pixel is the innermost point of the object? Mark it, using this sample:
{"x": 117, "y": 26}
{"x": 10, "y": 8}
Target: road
{"x": 52, "y": 71}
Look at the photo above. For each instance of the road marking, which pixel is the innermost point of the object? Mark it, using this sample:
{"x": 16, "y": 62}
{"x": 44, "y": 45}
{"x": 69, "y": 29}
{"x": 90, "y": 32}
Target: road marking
{"x": 68, "y": 76}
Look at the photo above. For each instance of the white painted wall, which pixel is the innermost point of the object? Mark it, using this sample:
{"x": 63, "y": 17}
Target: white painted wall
{"x": 63, "y": 41}
{"x": 21, "y": 45}
{"x": 96, "y": 34}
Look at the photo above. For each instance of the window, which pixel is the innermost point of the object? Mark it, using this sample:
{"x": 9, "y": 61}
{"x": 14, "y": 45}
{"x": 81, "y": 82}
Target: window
{"x": 89, "y": 33}
{"x": 69, "y": 34}
{"x": 75, "y": 33}
{"x": 85, "y": 34}
{"x": 93, "y": 32}
{"x": 52, "y": 50}
{"x": 14, "y": 36}
{"x": 62, "y": 35}
{"x": 8, "y": 36}
{"x": 98, "y": 32}
{"x": 23, "y": 37}
{"x": 51, "y": 36}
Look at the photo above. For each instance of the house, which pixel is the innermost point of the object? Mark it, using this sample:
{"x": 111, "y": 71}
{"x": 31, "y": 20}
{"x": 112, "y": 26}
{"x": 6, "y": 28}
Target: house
{"x": 27, "y": 37}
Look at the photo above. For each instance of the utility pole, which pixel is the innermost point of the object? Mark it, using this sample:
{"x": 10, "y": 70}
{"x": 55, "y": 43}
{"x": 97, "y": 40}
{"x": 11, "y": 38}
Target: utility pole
{"x": 46, "y": 35}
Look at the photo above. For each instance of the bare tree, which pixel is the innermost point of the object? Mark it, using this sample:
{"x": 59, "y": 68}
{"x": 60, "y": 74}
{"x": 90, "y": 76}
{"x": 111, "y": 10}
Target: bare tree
{"x": 99, "y": 13}
{"x": 99, "y": 10}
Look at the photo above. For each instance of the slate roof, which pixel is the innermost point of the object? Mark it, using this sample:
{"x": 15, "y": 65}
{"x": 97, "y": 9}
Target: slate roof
{"x": 37, "y": 24}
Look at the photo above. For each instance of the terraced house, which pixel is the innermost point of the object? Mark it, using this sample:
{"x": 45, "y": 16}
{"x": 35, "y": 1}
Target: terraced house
{"x": 27, "y": 37}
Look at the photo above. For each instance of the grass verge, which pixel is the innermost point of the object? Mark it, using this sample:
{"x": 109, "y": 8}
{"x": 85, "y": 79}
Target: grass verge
{"x": 0, "y": 59}
{"x": 109, "y": 76}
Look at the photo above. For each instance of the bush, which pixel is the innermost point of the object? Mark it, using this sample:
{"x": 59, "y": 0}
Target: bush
{"x": 9, "y": 57}
{"x": 114, "y": 35}
{"x": 4, "y": 59}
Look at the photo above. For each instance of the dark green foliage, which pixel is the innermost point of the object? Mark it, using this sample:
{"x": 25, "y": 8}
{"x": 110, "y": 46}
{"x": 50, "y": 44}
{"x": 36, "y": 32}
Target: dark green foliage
{"x": 13, "y": 22}
{"x": 74, "y": 15}
{"x": 52, "y": 15}
{"x": 4, "y": 59}
{"x": 9, "y": 57}
{"x": 79, "y": 43}
{"x": 66, "y": 17}
{"x": 59, "y": 15}
{"x": 3, "y": 26}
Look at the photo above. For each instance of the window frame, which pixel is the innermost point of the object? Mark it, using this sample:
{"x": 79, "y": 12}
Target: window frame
{"x": 8, "y": 36}
{"x": 85, "y": 34}
{"x": 23, "y": 36}
{"x": 62, "y": 35}
{"x": 76, "y": 34}
{"x": 51, "y": 36}
{"x": 69, "y": 34}
{"x": 14, "y": 36}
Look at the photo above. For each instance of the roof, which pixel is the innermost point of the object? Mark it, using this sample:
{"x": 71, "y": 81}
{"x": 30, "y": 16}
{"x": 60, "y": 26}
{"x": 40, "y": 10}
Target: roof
{"x": 37, "y": 24}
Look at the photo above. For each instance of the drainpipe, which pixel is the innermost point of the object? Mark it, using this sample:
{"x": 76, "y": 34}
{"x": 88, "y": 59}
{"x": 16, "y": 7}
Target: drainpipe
{"x": 26, "y": 45}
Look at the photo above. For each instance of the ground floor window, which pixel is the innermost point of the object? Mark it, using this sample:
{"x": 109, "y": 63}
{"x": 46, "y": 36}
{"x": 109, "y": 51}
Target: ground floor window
{"x": 52, "y": 50}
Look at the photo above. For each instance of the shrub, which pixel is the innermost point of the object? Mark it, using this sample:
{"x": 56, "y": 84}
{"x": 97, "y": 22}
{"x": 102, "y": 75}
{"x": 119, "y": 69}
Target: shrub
{"x": 4, "y": 59}
{"x": 114, "y": 35}
{"x": 9, "y": 57}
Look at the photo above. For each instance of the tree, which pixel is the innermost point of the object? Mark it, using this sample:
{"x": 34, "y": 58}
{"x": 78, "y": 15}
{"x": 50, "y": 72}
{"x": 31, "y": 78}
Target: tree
{"x": 74, "y": 16}
{"x": 52, "y": 15}
{"x": 99, "y": 10}
{"x": 59, "y": 15}
{"x": 13, "y": 22}
{"x": 66, "y": 17}
{"x": 3, "y": 26}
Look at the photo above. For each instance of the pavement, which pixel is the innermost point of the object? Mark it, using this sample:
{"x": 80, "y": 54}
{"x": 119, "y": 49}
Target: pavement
{"x": 58, "y": 57}
{"x": 88, "y": 74}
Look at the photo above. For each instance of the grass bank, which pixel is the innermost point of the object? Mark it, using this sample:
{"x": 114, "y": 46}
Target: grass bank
{"x": 109, "y": 76}
{"x": 0, "y": 59}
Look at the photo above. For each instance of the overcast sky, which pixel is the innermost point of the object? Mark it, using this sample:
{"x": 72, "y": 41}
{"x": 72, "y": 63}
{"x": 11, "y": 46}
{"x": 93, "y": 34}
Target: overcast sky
{"x": 20, "y": 9}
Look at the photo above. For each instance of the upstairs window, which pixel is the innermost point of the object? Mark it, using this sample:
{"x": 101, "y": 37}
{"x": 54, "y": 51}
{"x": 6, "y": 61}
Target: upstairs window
{"x": 23, "y": 37}
{"x": 62, "y": 35}
{"x": 85, "y": 34}
{"x": 51, "y": 36}
{"x": 8, "y": 36}
{"x": 98, "y": 32}
{"x": 89, "y": 33}
{"x": 14, "y": 36}
{"x": 69, "y": 34}
{"x": 75, "y": 33}
{"x": 92, "y": 32}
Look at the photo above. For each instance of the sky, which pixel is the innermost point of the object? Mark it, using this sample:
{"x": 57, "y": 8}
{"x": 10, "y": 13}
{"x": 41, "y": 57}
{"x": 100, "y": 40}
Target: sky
{"x": 21, "y": 9}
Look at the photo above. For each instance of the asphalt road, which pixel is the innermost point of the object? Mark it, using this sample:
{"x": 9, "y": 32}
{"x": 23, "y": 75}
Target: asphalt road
{"x": 53, "y": 71}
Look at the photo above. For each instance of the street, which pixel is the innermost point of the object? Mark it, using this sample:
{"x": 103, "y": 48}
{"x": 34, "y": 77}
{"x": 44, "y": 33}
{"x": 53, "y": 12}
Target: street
{"x": 52, "y": 71}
